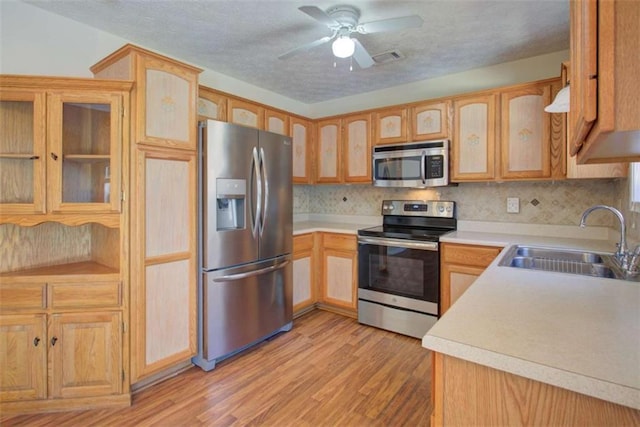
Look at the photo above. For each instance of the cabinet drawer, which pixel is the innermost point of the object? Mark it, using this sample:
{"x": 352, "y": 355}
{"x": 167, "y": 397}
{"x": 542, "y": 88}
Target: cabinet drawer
{"x": 22, "y": 296}
{"x": 302, "y": 242}
{"x": 83, "y": 295}
{"x": 340, "y": 241}
{"x": 480, "y": 256}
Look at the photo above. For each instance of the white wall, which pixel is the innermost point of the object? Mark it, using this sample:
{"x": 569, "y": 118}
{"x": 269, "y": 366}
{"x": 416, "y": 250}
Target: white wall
{"x": 34, "y": 41}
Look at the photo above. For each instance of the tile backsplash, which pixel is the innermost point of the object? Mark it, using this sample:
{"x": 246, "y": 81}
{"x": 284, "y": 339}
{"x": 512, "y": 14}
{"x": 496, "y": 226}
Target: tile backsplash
{"x": 548, "y": 202}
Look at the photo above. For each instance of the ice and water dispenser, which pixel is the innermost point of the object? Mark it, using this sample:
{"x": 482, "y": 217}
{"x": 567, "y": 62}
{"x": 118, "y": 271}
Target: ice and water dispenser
{"x": 230, "y": 203}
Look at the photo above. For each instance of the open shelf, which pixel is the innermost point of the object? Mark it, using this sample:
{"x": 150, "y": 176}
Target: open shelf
{"x": 72, "y": 269}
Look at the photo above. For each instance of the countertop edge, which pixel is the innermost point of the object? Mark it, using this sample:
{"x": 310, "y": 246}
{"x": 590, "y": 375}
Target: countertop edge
{"x": 610, "y": 392}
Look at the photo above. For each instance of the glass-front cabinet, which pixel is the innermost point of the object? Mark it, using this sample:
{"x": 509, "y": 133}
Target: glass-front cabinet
{"x": 84, "y": 152}
{"x": 60, "y": 152}
{"x": 22, "y": 145}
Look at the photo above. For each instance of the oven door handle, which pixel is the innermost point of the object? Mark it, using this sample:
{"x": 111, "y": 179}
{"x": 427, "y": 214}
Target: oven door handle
{"x": 399, "y": 243}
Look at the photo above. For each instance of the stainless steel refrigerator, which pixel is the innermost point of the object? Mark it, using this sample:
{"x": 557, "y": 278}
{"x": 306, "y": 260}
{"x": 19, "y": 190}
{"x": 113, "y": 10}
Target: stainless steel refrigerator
{"x": 246, "y": 214}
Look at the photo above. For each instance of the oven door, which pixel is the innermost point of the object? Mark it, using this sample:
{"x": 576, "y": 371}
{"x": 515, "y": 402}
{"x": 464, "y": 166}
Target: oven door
{"x": 402, "y": 272}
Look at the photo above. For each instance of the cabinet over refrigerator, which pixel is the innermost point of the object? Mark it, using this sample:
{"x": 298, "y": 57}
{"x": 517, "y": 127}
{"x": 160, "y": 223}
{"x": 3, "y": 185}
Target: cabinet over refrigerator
{"x": 246, "y": 223}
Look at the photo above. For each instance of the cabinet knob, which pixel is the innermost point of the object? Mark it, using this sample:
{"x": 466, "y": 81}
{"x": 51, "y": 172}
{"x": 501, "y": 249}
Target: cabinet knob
{"x": 54, "y": 156}
{"x": 53, "y": 341}
{"x": 36, "y": 341}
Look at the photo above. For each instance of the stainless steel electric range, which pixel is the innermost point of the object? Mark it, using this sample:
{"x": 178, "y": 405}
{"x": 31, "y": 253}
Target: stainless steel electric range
{"x": 399, "y": 266}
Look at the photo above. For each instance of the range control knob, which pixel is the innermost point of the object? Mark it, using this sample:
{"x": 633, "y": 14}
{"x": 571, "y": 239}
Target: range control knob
{"x": 440, "y": 209}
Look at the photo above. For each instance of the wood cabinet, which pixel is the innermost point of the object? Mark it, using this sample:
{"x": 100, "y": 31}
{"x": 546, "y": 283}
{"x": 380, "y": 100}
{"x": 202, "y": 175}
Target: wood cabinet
{"x": 245, "y": 113}
{"x": 574, "y": 170}
{"x": 525, "y": 140}
{"x": 338, "y": 287}
{"x": 460, "y": 266}
{"x": 474, "y": 138}
{"x": 356, "y": 146}
{"x": 467, "y": 393}
{"x": 211, "y": 104}
{"x": 329, "y": 151}
{"x": 303, "y": 153}
{"x": 304, "y": 271}
{"x": 64, "y": 291}
{"x": 390, "y": 126}
{"x": 430, "y": 120}
{"x": 604, "y": 114}
{"x": 163, "y": 206}
{"x": 506, "y": 135}
{"x": 62, "y": 152}
{"x": 63, "y": 340}
{"x": 277, "y": 122}
{"x": 164, "y": 99}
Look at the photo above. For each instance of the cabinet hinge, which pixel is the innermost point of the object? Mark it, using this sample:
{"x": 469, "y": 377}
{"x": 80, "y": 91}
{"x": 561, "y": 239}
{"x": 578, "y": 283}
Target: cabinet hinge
{"x": 123, "y": 375}
{"x": 122, "y": 197}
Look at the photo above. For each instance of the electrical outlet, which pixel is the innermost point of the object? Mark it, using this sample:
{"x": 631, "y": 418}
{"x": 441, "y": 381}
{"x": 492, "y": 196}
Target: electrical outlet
{"x": 513, "y": 205}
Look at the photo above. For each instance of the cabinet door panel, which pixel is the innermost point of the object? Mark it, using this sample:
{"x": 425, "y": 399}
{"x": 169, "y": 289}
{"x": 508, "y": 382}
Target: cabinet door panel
{"x": 276, "y": 122}
{"x": 168, "y": 103}
{"x": 85, "y": 143}
{"x": 329, "y": 151}
{"x": 23, "y": 357}
{"x": 357, "y": 149}
{"x": 391, "y": 126}
{"x": 211, "y": 105}
{"x": 474, "y": 139}
{"x": 245, "y": 114}
{"x": 340, "y": 274}
{"x": 301, "y": 134}
{"x": 22, "y": 152}
{"x": 430, "y": 121}
{"x": 526, "y": 135}
{"x": 303, "y": 295}
{"x": 85, "y": 354}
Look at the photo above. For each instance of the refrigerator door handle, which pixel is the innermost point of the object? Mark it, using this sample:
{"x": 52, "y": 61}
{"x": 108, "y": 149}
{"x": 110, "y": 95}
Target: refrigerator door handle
{"x": 232, "y": 277}
{"x": 255, "y": 216}
{"x": 266, "y": 190}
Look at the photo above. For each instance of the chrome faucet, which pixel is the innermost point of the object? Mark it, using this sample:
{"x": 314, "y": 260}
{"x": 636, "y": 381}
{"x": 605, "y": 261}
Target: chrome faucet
{"x": 629, "y": 262}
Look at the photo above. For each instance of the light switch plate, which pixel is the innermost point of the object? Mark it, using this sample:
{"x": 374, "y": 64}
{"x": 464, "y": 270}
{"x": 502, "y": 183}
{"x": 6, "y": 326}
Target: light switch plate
{"x": 513, "y": 205}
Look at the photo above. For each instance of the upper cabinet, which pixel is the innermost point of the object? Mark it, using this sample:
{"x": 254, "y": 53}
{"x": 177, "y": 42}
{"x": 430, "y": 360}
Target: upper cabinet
{"x": 63, "y": 150}
{"x": 390, "y": 126}
{"x": 302, "y": 135}
{"x": 211, "y": 105}
{"x": 165, "y": 95}
{"x": 430, "y": 120}
{"x": 525, "y": 139}
{"x": 356, "y": 145}
{"x": 245, "y": 113}
{"x": 474, "y": 138}
{"x": 328, "y": 153}
{"x": 604, "y": 115}
{"x": 277, "y": 122}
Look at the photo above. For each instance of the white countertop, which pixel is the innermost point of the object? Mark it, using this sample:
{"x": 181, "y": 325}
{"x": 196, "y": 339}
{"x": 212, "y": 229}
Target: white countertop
{"x": 575, "y": 332}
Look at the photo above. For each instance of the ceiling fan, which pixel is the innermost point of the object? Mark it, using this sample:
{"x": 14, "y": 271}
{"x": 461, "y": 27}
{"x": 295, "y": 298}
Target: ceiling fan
{"x": 343, "y": 22}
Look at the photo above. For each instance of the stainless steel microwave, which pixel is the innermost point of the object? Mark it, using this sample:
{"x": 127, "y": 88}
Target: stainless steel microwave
{"x": 414, "y": 164}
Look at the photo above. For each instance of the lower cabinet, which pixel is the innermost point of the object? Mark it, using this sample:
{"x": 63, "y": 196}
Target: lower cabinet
{"x": 325, "y": 272}
{"x": 338, "y": 286}
{"x": 466, "y": 394}
{"x": 460, "y": 266}
{"x": 61, "y": 345}
{"x": 304, "y": 268}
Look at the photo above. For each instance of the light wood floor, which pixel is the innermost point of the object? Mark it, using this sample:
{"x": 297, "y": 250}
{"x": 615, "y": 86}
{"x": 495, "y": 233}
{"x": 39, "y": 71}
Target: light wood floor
{"x": 327, "y": 371}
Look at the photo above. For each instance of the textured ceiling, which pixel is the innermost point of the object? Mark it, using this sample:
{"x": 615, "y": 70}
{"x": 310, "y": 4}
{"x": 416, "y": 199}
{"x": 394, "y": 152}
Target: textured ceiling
{"x": 243, "y": 38}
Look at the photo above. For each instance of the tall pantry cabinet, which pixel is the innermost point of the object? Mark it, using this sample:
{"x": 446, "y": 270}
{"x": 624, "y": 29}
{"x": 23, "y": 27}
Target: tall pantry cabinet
{"x": 64, "y": 306}
{"x": 163, "y": 207}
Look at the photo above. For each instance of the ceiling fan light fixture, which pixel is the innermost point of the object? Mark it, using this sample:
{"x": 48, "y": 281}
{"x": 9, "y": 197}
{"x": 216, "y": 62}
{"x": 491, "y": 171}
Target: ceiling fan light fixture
{"x": 343, "y": 47}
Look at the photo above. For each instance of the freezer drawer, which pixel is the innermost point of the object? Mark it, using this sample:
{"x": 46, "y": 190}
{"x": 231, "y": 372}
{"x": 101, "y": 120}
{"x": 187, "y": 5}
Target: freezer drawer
{"x": 243, "y": 305}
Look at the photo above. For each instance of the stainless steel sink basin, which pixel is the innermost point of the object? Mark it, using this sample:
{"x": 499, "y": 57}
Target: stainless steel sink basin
{"x": 562, "y": 261}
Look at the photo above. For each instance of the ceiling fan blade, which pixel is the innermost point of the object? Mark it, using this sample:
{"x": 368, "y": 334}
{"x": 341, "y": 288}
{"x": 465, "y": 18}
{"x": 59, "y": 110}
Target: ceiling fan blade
{"x": 391, "y": 24}
{"x": 361, "y": 55}
{"x": 319, "y": 15}
{"x": 305, "y": 47}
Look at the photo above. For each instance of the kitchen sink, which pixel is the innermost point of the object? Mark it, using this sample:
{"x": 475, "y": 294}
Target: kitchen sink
{"x": 562, "y": 261}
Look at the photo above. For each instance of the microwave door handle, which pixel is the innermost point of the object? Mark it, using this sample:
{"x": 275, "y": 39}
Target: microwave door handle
{"x": 423, "y": 168}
